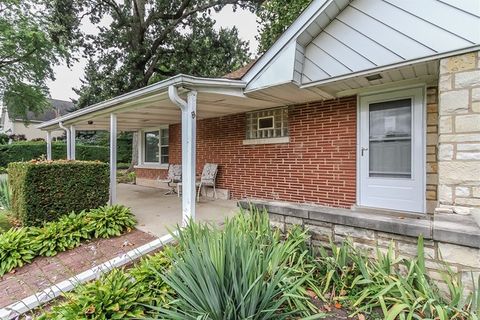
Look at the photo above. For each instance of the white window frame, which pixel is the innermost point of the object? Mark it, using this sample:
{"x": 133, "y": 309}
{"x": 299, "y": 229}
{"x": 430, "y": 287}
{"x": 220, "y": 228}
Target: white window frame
{"x": 141, "y": 149}
{"x": 267, "y": 117}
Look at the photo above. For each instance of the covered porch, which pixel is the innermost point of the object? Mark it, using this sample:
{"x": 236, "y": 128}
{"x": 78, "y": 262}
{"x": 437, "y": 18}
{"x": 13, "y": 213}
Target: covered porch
{"x": 157, "y": 213}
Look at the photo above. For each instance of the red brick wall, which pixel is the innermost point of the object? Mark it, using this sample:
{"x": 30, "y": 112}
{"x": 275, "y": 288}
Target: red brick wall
{"x": 317, "y": 166}
{"x": 153, "y": 174}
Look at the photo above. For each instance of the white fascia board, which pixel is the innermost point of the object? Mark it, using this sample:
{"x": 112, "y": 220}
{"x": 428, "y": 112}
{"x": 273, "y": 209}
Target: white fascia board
{"x": 391, "y": 66}
{"x": 181, "y": 80}
{"x": 297, "y": 27}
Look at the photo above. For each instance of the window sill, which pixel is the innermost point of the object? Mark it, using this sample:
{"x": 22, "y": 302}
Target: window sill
{"x": 266, "y": 141}
{"x": 151, "y": 166}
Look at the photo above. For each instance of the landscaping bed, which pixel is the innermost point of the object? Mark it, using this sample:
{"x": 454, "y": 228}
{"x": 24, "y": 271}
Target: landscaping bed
{"x": 247, "y": 270}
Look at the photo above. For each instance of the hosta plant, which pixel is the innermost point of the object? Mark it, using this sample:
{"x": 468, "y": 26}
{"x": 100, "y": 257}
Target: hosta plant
{"x": 113, "y": 296}
{"x": 109, "y": 221}
{"x": 66, "y": 233}
{"x": 16, "y": 248}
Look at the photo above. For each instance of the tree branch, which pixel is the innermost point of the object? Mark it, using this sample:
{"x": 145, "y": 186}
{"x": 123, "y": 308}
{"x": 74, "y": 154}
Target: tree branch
{"x": 4, "y": 62}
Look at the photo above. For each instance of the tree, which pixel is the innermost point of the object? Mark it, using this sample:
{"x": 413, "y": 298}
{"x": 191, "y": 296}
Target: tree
{"x": 274, "y": 17}
{"x": 31, "y": 42}
{"x": 149, "y": 40}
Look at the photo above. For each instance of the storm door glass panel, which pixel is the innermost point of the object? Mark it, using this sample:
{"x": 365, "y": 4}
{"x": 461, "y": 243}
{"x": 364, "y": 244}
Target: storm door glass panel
{"x": 390, "y": 149}
{"x": 151, "y": 146}
{"x": 164, "y": 145}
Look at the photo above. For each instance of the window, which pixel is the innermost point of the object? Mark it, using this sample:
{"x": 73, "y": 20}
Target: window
{"x": 156, "y": 146}
{"x": 271, "y": 123}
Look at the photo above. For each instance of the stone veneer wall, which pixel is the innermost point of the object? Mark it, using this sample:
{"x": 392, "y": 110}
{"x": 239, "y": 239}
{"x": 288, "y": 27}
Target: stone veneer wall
{"x": 457, "y": 242}
{"x": 459, "y": 134}
{"x": 432, "y": 149}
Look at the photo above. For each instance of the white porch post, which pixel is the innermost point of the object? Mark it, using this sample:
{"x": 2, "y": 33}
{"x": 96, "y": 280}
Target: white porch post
{"x": 67, "y": 133}
{"x": 113, "y": 158}
{"x": 189, "y": 125}
{"x": 49, "y": 145}
{"x": 73, "y": 135}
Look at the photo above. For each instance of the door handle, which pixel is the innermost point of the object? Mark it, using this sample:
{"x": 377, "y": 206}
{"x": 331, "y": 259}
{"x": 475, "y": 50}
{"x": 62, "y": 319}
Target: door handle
{"x": 363, "y": 150}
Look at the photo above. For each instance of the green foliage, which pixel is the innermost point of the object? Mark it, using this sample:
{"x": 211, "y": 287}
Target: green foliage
{"x": 19, "y": 246}
{"x": 109, "y": 221}
{"x": 400, "y": 288}
{"x": 5, "y": 223}
{"x": 274, "y": 17}
{"x": 26, "y": 151}
{"x": 119, "y": 294}
{"x": 3, "y": 138}
{"x": 66, "y": 233}
{"x": 45, "y": 190}
{"x": 30, "y": 45}
{"x": 148, "y": 41}
{"x": 112, "y": 297}
{"x": 5, "y": 194}
{"x": 243, "y": 271}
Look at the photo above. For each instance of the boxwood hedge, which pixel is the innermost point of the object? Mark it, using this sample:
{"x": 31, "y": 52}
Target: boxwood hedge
{"x": 45, "y": 190}
{"x": 26, "y": 151}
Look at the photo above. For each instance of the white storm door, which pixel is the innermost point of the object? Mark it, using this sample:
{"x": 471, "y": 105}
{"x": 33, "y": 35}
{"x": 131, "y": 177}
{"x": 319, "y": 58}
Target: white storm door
{"x": 392, "y": 150}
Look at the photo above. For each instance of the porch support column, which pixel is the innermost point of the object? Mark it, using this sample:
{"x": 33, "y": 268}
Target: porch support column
{"x": 49, "y": 145}
{"x": 113, "y": 158}
{"x": 67, "y": 133}
{"x": 189, "y": 126}
{"x": 73, "y": 134}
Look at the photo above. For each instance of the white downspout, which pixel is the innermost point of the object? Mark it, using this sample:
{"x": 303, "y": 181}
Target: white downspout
{"x": 67, "y": 132}
{"x": 189, "y": 112}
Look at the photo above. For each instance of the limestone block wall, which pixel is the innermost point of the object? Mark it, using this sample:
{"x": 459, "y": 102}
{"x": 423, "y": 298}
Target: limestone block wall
{"x": 459, "y": 134}
{"x": 432, "y": 149}
{"x": 463, "y": 260}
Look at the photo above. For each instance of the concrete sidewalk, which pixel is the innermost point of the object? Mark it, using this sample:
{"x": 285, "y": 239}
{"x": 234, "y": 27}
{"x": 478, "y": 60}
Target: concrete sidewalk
{"x": 156, "y": 212}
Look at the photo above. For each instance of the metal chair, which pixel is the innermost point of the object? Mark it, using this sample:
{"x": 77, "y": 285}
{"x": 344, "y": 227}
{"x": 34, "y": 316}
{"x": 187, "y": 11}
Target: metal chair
{"x": 174, "y": 175}
{"x": 208, "y": 179}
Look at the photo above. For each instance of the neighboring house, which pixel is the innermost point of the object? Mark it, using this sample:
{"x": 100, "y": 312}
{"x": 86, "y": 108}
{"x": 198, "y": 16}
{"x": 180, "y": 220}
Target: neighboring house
{"x": 362, "y": 120}
{"x": 16, "y": 126}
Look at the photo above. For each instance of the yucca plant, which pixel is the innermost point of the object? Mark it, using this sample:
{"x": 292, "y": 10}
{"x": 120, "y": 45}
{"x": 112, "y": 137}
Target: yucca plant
{"x": 243, "y": 271}
{"x": 5, "y": 194}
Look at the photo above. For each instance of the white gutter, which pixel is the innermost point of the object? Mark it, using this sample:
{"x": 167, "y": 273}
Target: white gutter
{"x": 14, "y": 310}
{"x": 162, "y": 86}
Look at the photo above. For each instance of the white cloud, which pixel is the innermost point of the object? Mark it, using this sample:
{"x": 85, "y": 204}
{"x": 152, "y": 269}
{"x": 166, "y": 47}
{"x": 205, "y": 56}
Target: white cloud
{"x": 66, "y": 78}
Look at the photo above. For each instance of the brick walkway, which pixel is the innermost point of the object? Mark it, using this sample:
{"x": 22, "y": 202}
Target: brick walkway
{"x": 43, "y": 271}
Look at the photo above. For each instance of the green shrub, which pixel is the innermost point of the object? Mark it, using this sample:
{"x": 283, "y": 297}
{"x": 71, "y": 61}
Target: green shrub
{"x": 109, "y": 221}
{"x": 17, "y": 247}
{"x": 26, "y": 151}
{"x": 43, "y": 191}
{"x": 242, "y": 271}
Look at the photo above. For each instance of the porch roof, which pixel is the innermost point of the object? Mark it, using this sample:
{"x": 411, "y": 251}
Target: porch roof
{"x": 151, "y": 105}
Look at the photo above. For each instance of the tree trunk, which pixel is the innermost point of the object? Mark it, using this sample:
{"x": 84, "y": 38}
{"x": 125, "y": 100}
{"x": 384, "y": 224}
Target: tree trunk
{"x": 134, "y": 161}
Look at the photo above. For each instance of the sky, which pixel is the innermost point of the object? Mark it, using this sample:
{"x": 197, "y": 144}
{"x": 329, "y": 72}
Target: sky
{"x": 68, "y": 78}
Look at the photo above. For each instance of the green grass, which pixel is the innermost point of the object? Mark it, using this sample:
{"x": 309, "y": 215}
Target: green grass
{"x": 4, "y": 221}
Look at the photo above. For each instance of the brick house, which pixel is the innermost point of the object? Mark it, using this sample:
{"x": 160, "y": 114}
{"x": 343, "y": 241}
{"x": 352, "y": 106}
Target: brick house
{"x": 362, "y": 120}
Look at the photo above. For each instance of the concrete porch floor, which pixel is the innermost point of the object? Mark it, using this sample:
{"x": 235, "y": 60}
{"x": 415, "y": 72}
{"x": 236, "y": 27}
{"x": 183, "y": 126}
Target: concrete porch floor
{"x": 157, "y": 213}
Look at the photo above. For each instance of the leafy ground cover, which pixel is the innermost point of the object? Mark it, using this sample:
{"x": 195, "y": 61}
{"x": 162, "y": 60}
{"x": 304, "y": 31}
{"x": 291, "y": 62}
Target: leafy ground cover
{"x": 246, "y": 270}
{"x": 19, "y": 246}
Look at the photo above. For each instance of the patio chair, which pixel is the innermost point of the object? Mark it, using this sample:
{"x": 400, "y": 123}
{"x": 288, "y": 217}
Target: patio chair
{"x": 208, "y": 179}
{"x": 174, "y": 175}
